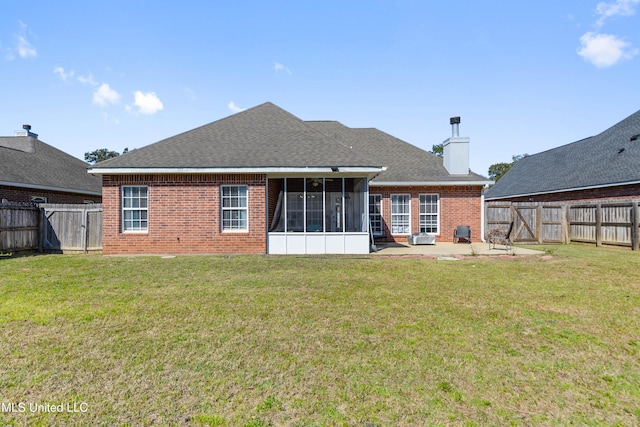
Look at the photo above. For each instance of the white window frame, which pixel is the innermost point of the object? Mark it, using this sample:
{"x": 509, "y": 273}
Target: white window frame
{"x": 395, "y": 216}
{"x": 423, "y": 215}
{"x": 375, "y": 218}
{"x": 238, "y": 209}
{"x": 138, "y": 208}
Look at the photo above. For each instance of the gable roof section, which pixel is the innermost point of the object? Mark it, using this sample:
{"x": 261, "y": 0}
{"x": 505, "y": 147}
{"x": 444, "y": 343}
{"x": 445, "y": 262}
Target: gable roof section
{"x": 608, "y": 159}
{"x": 406, "y": 164}
{"x": 265, "y": 137}
{"x": 28, "y": 162}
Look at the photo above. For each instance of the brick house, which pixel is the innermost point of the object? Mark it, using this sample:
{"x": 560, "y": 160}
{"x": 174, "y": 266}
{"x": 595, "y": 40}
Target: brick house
{"x": 32, "y": 171}
{"x": 601, "y": 168}
{"x": 265, "y": 181}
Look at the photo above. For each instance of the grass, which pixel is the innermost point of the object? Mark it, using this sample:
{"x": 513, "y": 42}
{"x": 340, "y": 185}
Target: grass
{"x": 315, "y": 341}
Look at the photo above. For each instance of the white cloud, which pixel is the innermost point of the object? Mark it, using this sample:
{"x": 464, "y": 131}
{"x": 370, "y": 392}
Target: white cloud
{"x": 279, "y": 67}
{"x": 64, "y": 76}
{"x": 233, "y": 107}
{"x": 23, "y": 47}
{"x": 617, "y": 8}
{"x": 87, "y": 80}
{"x": 147, "y": 103}
{"x": 105, "y": 95}
{"x": 605, "y": 50}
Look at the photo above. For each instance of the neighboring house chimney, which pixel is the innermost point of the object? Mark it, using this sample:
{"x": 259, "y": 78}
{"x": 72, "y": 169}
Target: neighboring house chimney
{"x": 26, "y": 132}
{"x": 28, "y": 145}
{"x": 455, "y": 151}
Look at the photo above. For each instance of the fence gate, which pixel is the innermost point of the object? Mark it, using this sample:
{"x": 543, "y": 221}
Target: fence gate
{"x": 71, "y": 228}
{"x": 525, "y": 224}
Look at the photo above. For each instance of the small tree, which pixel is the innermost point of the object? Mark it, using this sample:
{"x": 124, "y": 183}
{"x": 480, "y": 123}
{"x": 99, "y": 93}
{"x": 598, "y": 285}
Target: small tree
{"x": 497, "y": 170}
{"x": 437, "y": 149}
{"x": 101, "y": 154}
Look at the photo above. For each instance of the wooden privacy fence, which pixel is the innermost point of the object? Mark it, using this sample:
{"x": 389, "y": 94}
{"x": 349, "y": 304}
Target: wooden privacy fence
{"x": 50, "y": 227}
{"x": 539, "y": 222}
{"x": 19, "y": 227}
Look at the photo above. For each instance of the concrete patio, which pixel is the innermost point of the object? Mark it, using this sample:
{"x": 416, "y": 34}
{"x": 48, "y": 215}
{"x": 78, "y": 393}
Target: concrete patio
{"x": 450, "y": 250}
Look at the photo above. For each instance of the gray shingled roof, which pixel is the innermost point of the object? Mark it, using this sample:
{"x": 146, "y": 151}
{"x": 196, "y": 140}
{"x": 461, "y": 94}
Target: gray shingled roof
{"x": 404, "y": 162}
{"x": 610, "y": 158}
{"x": 25, "y": 160}
{"x": 263, "y": 136}
{"x": 268, "y": 136}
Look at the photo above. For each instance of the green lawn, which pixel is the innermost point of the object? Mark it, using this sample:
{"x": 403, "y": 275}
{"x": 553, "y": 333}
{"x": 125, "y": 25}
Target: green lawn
{"x": 315, "y": 341}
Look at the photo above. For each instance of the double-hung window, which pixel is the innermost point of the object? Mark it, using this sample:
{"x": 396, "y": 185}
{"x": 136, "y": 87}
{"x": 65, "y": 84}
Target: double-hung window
{"x": 429, "y": 216}
{"x": 234, "y": 208}
{"x": 134, "y": 209}
{"x": 375, "y": 213}
{"x": 400, "y": 214}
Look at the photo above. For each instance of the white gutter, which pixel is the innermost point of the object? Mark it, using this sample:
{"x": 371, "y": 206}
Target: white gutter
{"x": 590, "y": 187}
{"x": 49, "y": 188}
{"x": 427, "y": 183}
{"x": 321, "y": 170}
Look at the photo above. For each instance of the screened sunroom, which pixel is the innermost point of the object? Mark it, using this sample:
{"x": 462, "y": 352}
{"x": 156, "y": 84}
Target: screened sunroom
{"x": 318, "y": 215}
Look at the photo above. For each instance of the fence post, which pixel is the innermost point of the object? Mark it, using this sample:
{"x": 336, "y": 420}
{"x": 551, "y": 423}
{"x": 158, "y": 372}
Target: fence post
{"x": 40, "y": 229}
{"x": 635, "y": 243}
{"x": 598, "y": 225}
{"x": 565, "y": 224}
{"x": 539, "y": 228}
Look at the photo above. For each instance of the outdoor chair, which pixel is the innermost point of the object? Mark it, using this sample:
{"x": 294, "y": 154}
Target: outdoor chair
{"x": 498, "y": 236}
{"x": 462, "y": 232}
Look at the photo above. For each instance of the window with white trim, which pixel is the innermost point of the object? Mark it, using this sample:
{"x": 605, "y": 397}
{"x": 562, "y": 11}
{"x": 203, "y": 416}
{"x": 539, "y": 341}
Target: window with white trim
{"x": 400, "y": 214}
{"x": 135, "y": 209}
{"x": 234, "y": 208}
{"x": 429, "y": 213}
{"x": 375, "y": 213}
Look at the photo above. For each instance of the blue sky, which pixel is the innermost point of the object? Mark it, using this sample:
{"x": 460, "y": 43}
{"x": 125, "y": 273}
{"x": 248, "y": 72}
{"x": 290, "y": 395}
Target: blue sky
{"x": 524, "y": 76}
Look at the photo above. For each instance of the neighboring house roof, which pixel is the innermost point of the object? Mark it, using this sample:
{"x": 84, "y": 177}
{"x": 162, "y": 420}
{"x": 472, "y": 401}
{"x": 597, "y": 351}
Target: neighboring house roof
{"x": 406, "y": 163}
{"x": 267, "y": 138}
{"x": 25, "y": 161}
{"x": 611, "y": 158}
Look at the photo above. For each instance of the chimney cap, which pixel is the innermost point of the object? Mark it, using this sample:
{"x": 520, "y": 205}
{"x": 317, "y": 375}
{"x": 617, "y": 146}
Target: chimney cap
{"x": 26, "y": 127}
{"x": 454, "y": 120}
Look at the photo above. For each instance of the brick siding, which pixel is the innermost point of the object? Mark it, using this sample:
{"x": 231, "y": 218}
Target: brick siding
{"x": 20, "y": 194}
{"x": 459, "y": 205}
{"x": 184, "y": 215}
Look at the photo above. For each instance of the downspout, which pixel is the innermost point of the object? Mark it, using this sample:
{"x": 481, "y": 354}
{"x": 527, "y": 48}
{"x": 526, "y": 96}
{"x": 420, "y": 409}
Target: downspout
{"x": 266, "y": 214}
{"x": 482, "y": 216}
